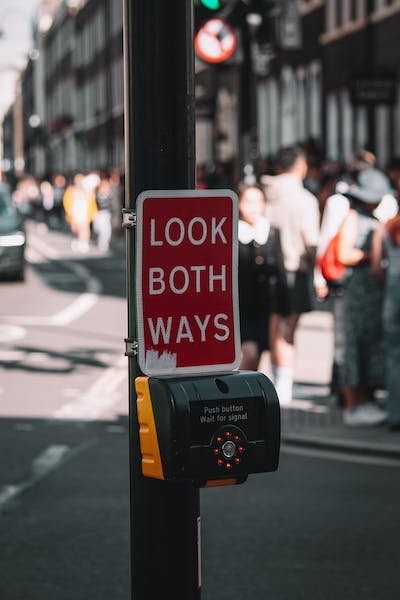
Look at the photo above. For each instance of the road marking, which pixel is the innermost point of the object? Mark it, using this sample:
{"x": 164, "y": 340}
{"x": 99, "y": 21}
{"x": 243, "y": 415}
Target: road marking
{"x": 115, "y": 429}
{"x": 75, "y": 310}
{"x": 33, "y": 256}
{"x": 24, "y": 427}
{"x": 78, "y": 307}
{"x": 45, "y": 463}
{"x": 42, "y": 248}
{"x": 99, "y": 398}
{"x": 10, "y": 333}
{"x": 340, "y": 456}
{"x": 48, "y": 459}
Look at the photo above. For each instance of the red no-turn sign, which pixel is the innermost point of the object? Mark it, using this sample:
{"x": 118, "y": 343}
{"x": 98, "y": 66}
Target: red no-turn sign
{"x": 186, "y": 281}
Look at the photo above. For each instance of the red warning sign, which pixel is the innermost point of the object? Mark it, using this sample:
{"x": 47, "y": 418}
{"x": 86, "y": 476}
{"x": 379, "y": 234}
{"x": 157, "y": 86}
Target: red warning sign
{"x": 186, "y": 281}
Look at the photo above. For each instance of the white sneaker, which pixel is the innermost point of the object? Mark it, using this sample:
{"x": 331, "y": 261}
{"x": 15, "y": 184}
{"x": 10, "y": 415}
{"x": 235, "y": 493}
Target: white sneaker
{"x": 367, "y": 414}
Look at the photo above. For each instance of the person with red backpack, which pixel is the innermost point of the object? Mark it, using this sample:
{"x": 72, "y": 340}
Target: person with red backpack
{"x": 361, "y": 373}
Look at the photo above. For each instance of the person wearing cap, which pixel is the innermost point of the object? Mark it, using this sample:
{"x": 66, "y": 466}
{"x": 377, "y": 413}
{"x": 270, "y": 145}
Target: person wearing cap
{"x": 362, "y": 370}
{"x": 336, "y": 210}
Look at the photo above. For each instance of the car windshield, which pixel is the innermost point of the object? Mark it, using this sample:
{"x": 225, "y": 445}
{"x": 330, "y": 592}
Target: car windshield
{"x": 6, "y": 207}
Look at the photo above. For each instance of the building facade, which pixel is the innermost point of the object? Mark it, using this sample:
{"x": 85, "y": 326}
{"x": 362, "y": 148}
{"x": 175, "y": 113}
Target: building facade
{"x": 335, "y": 83}
{"x": 361, "y": 45}
{"x": 339, "y": 89}
{"x": 72, "y": 90}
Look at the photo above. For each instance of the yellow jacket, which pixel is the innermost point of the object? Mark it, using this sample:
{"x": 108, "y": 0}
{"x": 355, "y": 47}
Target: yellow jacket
{"x": 68, "y": 203}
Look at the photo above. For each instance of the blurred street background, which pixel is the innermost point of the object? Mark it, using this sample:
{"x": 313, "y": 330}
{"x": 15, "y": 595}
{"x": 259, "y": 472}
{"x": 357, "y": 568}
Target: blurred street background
{"x": 324, "y": 526}
{"x": 320, "y": 73}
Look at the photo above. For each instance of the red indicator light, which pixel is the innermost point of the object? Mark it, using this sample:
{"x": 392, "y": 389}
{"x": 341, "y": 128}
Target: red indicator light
{"x": 215, "y": 450}
{"x": 220, "y": 461}
{"x": 228, "y": 433}
{"x": 240, "y": 448}
{"x": 219, "y": 438}
{"x": 237, "y": 460}
{"x": 236, "y": 438}
{"x": 228, "y": 466}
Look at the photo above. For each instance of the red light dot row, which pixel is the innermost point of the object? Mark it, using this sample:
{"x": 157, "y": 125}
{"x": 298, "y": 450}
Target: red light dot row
{"x": 228, "y": 465}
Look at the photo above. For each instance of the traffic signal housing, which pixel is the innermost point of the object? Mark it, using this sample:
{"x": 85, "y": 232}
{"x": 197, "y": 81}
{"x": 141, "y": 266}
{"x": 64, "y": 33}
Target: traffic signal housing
{"x": 211, "y": 4}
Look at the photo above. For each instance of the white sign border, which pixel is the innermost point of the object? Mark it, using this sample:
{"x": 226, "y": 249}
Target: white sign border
{"x": 195, "y": 370}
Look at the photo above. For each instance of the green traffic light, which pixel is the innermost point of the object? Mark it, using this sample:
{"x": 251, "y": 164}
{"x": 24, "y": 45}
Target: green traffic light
{"x": 211, "y": 4}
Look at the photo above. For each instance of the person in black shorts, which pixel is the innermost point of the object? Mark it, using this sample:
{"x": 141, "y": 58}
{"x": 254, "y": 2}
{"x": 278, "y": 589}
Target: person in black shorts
{"x": 263, "y": 291}
{"x": 295, "y": 212}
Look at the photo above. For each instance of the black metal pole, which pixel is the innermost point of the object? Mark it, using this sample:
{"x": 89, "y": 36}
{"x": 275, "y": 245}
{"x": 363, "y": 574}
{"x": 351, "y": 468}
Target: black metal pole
{"x": 370, "y": 62}
{"x": 248, "y": 104}
{"x": 160, "y": 154}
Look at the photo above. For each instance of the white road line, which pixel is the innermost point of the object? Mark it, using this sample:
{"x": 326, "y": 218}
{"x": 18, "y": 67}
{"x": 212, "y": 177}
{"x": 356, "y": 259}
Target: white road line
{"x": 78, "y": 307}
{"x": 340, "y": 456}
{"x": 10, "y": 333}
{"x": 24, "y": 427}
{"x": 45, "y": 463}
{"x": 45, "y": 249}
{"x": 74, "y": 311}
{"x": 33, "y": 256}
{"x": 99, "y": 398}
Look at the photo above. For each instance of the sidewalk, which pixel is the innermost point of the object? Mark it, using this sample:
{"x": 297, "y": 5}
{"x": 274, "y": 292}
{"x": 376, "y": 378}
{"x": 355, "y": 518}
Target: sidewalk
{"x": 313, "y": 419}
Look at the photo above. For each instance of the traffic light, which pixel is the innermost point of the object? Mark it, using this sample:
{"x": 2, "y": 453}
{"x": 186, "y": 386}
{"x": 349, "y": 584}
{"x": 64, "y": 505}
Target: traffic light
{"x": 206, "y": 9}
{"x": 211, "y": 4}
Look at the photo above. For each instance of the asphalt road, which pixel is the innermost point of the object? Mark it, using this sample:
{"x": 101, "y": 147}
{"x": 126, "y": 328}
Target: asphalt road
{"x": 323, "y": 527}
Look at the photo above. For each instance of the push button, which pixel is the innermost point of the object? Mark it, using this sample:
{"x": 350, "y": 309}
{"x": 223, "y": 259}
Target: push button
{"x": 229, "y": 449}
{"x": 227, "y": 445}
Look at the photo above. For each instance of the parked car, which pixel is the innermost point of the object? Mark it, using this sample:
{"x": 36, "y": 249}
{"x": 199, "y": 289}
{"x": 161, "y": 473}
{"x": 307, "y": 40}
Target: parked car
{"x": 12, "y": 237}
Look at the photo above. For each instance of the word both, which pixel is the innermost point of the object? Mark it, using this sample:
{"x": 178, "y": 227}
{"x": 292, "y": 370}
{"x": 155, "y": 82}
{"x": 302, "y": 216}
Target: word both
{"x": 200, "y": 278}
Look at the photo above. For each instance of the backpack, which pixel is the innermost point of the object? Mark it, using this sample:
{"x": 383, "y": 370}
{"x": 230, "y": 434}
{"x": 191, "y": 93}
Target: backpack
{"x": 331, "y": 268}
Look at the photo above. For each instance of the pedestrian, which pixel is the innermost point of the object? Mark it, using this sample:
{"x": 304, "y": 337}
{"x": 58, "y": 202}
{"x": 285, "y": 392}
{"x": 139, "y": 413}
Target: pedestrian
{"x": 337, "y": 208}
{"x": 59, "y": 184}
{"x": 362, "y": 370}
{"x": 262, "y": 282}
{"x": 47, "y": 195}
{"x": 294, "y": 211}
{"x": 386, "y": 266}
{"x": 102, "y": 220}
{"x": 80, "y": 209}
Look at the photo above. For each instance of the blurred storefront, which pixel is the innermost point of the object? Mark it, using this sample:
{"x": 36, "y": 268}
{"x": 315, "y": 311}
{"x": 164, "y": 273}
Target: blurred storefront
{"x": 319, "y": 72}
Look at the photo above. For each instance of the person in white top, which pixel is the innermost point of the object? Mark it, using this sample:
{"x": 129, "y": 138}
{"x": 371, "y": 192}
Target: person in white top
{"x": 295, "y": 212}
{"x": 337, "y": 208}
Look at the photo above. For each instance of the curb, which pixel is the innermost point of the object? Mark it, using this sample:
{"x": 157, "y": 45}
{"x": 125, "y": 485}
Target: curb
{"x": 340, "y": 445}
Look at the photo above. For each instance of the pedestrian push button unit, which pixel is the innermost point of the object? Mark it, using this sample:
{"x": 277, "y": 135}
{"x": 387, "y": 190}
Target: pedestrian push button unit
{"x": 208, "y": 430}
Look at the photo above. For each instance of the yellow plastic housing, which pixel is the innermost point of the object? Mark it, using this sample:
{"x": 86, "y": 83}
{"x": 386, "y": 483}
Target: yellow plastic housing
{"x": 151, "y": 457}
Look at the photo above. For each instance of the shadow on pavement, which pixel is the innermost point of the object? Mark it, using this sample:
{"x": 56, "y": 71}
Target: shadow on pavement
{"x": 44, "y": 360}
